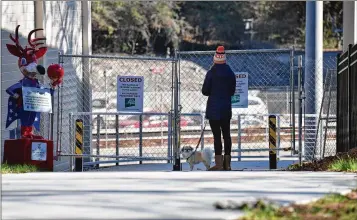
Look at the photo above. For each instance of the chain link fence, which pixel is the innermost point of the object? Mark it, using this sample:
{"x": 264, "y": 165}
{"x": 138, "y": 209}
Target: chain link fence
{"x": 318, "y": 103}
{"x": 89, "y": 93}
{"x": 269, "y": 92}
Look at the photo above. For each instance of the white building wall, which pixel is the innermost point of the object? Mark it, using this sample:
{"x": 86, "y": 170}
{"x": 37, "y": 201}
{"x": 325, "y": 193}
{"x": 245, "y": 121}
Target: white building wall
{"x": 349, "y": 23}
{"x": 13, "y": 13}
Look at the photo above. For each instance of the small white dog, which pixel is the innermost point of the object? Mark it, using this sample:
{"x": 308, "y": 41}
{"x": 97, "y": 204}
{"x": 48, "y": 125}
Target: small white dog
{"x": 195, "y": 157}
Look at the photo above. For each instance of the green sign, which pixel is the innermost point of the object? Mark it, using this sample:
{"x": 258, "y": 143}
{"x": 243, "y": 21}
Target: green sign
{"x": 129, "y": 102}
{"x": 236, "y": 98}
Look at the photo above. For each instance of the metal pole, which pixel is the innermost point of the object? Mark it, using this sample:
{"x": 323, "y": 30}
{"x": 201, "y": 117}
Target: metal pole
{"x": 328, "y": 113}
{"x": 58, "y": 116}
{"x": 71, "y": 143}
{"x": 141, "y": 138}
{"x": 117, "y": 138}
{"x": 53, "y": 115}
{"x": 239, "y": 140}
{"x": 106, "y": 108}
{"x": 292, "y": 83}
{"x": 288, "y": 101}
{"x": 320, "y": 130}
{"x": 53, "y": 103}
{"x": 169, "y": 138}
{"x": 313, "y": 67}
{"x": 319, "y": 119}
{"x": 98, "y": 140}
{"x": 300, "y": 107}
{"x": 60, "y": 138}
{"x": 177, "y": 163}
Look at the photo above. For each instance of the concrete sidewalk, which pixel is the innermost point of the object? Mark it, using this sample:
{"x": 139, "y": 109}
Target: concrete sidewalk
{"x": 156, "y": 194}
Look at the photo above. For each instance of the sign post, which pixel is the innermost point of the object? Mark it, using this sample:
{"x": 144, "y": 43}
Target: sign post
{"x": 130, "y": 96}
{"x": 240, "y": 97}
{"x": 78, "y": 163}
{"x": 272, "y": 142}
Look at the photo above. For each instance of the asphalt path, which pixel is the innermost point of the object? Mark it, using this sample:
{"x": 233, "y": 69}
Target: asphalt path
{"x": 153, "y": 191}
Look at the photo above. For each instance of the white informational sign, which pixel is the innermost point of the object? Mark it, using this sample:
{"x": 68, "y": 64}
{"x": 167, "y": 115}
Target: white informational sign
{"x": 240, "y": 98}
{"x": 130, "y": 94}
{"x": 39, "y": 151}
{"x": 36, "y": 99}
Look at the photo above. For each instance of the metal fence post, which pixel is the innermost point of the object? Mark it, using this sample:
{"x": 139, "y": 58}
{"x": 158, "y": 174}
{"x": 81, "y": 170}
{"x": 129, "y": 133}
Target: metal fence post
{"x": 169, "y": 138}
{"x": 328, "y": 113}
{"x": 117, "y": 138}
{"x": 141, "y": 138}
{"x": 71, "y": 142}
{"x": 292, "y": 87}
{"x": 239, "y": 140}
{"x": 98, "y": 140}
{"x": 177, "y": 162}
{"x": 338, "y": 101}
{"x": 61, "y": 121}
{"x": 350, "y": 99}
{"x": 300, "y": 107}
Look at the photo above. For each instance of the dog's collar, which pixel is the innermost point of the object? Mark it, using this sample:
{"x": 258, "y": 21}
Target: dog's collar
{"x": 191, "y": 154}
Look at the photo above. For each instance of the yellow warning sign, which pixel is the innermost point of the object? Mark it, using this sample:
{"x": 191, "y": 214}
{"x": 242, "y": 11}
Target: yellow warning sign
{"x": 79, "y": 136}
{"x": 272, "y": 134}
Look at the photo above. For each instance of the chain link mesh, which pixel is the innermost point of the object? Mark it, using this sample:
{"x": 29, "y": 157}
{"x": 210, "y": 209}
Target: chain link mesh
{"x": 269, "y": 93}
{"x": 320, "y": 96}
{"x": 89, "y": 92}
{"x": 90, "y": 85}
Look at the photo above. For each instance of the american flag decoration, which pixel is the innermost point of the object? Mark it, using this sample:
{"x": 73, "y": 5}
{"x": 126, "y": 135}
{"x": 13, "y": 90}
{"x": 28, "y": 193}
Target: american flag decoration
{"x": 14, "y": 113}
{"x": 36, "y": 124}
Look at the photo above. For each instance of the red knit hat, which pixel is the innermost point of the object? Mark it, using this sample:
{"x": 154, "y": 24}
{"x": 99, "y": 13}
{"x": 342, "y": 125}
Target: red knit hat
{"x": 220, "y": 55}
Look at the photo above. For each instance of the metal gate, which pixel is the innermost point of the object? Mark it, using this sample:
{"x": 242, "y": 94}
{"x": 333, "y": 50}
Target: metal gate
{"x": 270, "y": 92}
{"x": 89, "y": 95}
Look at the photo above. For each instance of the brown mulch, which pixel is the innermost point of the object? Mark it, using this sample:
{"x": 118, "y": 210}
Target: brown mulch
{"x": 323, "y": 164}
{"x": 331, "y": 207}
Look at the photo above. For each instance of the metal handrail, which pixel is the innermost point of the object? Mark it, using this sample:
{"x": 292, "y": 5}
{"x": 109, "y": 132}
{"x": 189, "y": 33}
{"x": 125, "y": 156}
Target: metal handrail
{"x": 237, "y": 51}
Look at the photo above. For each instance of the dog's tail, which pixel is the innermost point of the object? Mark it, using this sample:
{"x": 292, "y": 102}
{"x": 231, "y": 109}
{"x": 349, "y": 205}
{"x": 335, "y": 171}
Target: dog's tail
{"x": 207, "y": 154}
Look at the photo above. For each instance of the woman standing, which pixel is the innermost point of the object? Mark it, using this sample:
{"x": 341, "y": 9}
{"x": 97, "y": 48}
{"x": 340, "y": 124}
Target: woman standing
{"x": 219, "y": 85}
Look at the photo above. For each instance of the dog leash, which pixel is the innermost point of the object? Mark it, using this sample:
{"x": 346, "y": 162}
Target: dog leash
{"x": 199, "y": 141}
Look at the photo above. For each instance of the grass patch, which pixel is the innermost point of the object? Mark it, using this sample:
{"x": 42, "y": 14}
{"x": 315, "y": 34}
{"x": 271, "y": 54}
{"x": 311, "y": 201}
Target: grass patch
{"x": 19, "y": 168}
{"x": 331, "y": 207}
{"x": 348, "y": 165}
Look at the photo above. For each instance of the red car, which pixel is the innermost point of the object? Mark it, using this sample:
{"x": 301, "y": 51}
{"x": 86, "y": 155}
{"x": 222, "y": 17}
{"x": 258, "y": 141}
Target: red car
{"x": 150, "y": 121}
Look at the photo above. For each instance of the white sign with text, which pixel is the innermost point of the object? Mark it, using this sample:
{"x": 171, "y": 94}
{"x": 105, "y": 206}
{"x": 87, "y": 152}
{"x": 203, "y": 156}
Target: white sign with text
{"x": 39, "y": 151}
{"x": 36, "y": 99}
{"x": 240, "y": 97}
{"x": 130, "y": 94}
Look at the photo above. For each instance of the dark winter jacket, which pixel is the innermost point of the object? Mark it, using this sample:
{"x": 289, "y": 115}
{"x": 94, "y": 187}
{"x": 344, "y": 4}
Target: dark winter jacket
{"x": 219, "y": 86}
